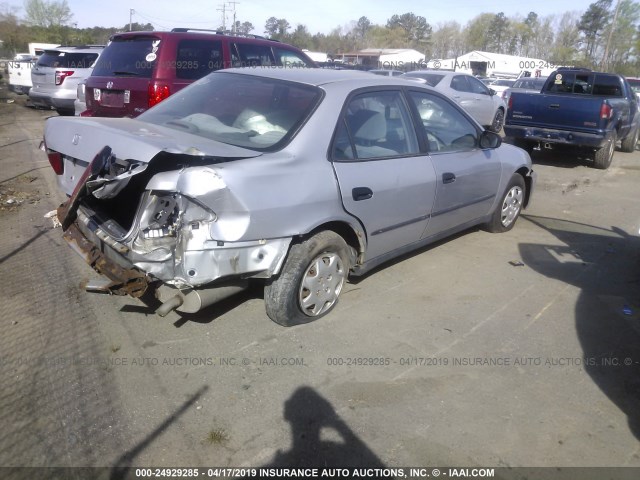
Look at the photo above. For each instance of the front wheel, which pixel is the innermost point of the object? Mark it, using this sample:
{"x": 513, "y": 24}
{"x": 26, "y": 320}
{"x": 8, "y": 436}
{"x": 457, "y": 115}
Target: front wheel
{"x": 628, "y": 145}
{"x": 508, "y": 211}
{"x": 498, "y": 121}
{"x": 310, "y": 281}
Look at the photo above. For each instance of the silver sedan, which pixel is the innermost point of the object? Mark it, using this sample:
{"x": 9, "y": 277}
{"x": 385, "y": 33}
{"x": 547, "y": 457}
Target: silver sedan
{"x": 468, "y": 92}
{"x": 296, "y": 178}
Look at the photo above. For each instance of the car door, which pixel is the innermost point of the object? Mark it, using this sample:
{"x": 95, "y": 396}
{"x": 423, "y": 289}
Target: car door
{"x": 384, "y": 180}
{"x": 467, "y": 176}
{"x": 474, "y": 96}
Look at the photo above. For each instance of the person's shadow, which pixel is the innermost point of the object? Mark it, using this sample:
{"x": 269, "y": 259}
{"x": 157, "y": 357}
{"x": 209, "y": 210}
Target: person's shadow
{"x": 320, "y": 438}
{"x": 604, "y": 265}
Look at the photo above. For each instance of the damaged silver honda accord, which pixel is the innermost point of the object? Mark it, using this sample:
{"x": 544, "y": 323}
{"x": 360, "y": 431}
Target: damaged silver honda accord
{"x": 296, "y": 177}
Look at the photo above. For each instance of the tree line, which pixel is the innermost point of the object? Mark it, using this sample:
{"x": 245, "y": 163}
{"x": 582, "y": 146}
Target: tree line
{"x": 606, "y": 36}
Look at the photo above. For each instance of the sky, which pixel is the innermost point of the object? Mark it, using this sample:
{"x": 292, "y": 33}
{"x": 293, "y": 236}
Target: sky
{"x": 318, "y": 17}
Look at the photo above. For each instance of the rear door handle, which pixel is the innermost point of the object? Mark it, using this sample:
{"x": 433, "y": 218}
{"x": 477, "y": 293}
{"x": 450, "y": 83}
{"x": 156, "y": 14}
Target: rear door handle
{"x": 361, "y": 193}
{"x": 448, "y": 177}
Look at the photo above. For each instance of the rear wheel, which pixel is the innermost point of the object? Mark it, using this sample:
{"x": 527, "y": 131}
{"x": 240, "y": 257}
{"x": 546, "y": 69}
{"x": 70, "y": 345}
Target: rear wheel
{"x": 602, "y": 158}
{"x": 508, "y": 211}
{"x": 310, "y": 282}
{"x": 628, "y": 145}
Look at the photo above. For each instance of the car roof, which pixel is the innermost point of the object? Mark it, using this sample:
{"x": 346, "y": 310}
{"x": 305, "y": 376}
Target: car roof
{"x": 317, "y": 76}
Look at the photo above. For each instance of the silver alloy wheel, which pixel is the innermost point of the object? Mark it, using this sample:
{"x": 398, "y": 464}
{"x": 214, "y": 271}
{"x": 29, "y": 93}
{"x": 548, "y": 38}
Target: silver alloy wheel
{"x": 511, "y": 205}
{"x": 321, "y": 284}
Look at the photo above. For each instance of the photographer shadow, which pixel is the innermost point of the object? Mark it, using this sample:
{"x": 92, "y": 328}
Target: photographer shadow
{"x": 604, "y": 265}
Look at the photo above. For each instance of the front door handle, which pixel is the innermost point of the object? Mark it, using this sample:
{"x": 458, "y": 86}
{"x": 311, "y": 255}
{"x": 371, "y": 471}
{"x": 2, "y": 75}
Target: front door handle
{"x": 361, "y": 193}
{"x": 448, "y": 177}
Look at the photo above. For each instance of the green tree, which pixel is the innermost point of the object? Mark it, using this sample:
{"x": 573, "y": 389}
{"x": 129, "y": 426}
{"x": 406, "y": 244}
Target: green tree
{"x": 45, "y": 14}
{"x": 416, "y": 28}
{"x": 497, "y": 32}
{"x": 476, "y": 32}
{"x": 277, "y": 28}
{"x": 592, "y": 24}
{"x": 447, "y": 41}
{"x": 362, "y": 27}
{"x": 567, "y": 40}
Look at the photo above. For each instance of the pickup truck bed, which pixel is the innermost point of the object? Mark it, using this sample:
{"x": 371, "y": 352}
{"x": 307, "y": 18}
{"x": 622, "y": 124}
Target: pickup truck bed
{"x": 583, "y": 109}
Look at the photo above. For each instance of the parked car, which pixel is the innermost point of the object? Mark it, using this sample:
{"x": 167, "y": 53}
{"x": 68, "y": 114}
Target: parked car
{"x": 140, "y": 69}
{"x": 589, "y": 111}
{"x": 385, "y": 72}
{"x": 500, "y": 85}
{"x": 524, "y": 85}
{"x": 56, "y": 75}
{"x": 469, "y": 92}
{"x": 80, "y": 103}
{"x": 295, "y": 177}
{"x": 19, "y": 70}
{"x": 634, "y": 83}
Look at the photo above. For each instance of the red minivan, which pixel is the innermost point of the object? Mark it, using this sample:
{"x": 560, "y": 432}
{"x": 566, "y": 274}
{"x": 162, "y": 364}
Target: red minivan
{"x": 140, "y": 69}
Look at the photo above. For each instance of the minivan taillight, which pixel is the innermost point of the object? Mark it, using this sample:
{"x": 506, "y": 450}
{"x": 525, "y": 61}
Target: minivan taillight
{"x": 606, "y": 111}
{"x": 157, "y": 93}
{"x": 55, "y": 159}
{"x": 61, "y": 75}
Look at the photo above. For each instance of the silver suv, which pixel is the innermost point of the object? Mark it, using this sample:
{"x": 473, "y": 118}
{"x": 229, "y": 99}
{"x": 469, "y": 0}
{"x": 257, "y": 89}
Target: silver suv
{"x": 57, "y": 73}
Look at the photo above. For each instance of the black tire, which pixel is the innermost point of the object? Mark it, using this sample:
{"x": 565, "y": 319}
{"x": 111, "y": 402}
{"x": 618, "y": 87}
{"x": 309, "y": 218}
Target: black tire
{"x": 603, "y": 156}
{"x": 284, "y": 296}
{"x": 628, "y": 144}
{"x": 508, "y": 210}
{"x": 498, "y": 121}
{"x": 65, "y": 112}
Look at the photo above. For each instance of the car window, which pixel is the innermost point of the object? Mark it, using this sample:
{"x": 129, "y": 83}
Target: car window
{"x": 607, "y": 85}
{"x": 476, "y": 86}
{"x": 197, "y": 58}
{"x": 241, "y": 110}
{"x": 289, "y": 58}
{"x": 375, "y": 125}
{"x": 251, "y": 55}
{"x": 459, "y": 83}
{"x": 445, "y": 127}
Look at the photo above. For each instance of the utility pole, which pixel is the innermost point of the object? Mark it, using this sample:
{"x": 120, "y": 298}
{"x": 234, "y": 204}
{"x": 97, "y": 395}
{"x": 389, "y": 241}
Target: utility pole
{"x": 131, "y": 12}
{"x": 233, "y": 25}
{"x": 224, "y": 16}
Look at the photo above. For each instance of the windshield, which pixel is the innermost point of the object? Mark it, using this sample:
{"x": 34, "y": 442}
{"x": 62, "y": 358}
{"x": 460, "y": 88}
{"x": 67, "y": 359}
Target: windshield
{"x": 242, "y": 110}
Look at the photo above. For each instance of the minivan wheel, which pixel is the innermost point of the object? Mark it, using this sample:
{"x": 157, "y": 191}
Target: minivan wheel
{"x": 310, "y": 281}
{"x": 508, "y": 211}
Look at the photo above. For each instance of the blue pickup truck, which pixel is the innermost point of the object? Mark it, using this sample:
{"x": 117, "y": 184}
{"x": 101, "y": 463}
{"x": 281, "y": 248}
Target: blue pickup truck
{"x": 590, "y": 111}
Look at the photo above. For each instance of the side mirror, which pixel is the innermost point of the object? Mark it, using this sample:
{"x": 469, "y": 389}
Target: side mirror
{"x": 489, "y": 139}
{"x": 492, "y": 92}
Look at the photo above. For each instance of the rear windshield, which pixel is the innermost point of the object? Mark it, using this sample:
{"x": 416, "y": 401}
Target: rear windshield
{"x": 56, "y": 59}
{"x": 432, "y": 79}
{"x": 133, "y": 57}
{"x": 242, "y": 110}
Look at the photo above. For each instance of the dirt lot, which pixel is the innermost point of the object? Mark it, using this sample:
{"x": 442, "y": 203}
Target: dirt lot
{"x": 520, "y": 349}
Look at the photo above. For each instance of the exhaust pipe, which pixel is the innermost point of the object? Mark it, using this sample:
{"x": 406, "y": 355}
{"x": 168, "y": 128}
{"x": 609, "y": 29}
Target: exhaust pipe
{"x": 170, "y": 305}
